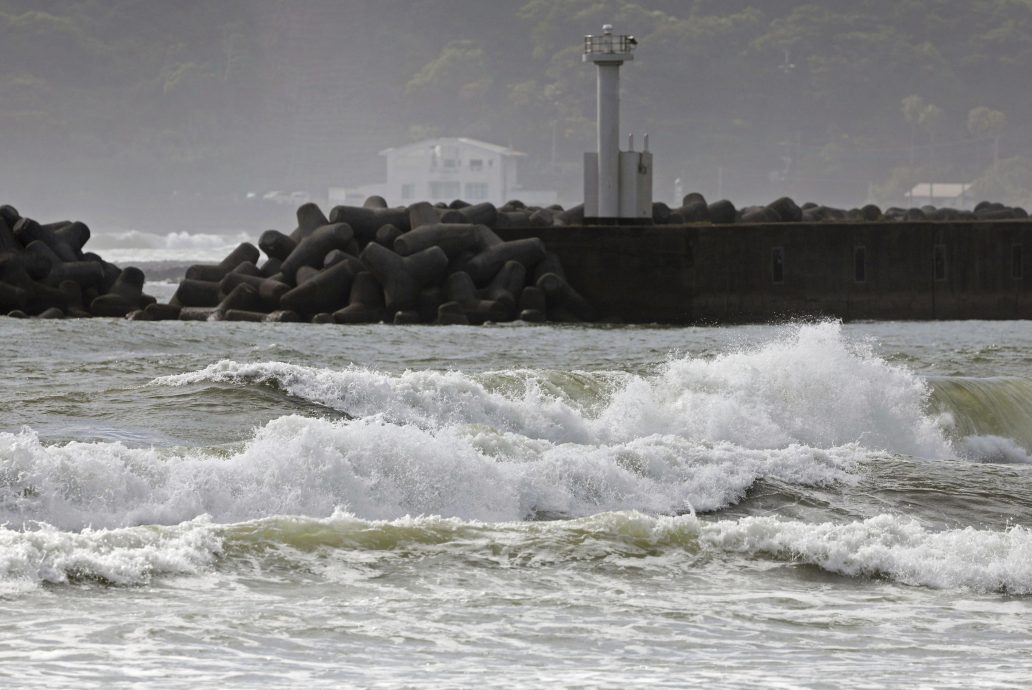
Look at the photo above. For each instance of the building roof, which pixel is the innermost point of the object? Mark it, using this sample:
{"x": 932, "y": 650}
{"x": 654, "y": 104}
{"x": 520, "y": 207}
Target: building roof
{"x": 943, "y": 190}
{"x": 429, "y": 143}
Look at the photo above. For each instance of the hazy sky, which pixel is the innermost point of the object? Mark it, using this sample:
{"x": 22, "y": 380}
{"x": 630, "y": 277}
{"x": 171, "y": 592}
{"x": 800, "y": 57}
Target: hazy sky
{"x": 148, "y": 112}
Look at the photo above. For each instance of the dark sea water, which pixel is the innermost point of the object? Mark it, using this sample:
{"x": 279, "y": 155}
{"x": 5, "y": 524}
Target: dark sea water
{"x": 240, "y": 505}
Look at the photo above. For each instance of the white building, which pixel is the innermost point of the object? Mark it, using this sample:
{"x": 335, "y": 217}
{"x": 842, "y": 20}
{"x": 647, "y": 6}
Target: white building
{"x": 446, "y": 169}
{"x": 940, "y": 194}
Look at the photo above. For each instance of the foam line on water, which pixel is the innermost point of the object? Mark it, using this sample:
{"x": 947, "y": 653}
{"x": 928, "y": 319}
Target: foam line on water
{"x": 886, "y": 546}
{"x": 136, "y": 239}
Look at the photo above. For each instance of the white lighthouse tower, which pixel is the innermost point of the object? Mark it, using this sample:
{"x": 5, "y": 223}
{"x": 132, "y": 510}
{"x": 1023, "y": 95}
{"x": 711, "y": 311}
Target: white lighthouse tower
{"x": 617, "y": 184}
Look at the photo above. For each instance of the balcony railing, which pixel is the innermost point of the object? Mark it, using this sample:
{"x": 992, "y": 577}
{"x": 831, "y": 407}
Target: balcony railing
{"x": 609, "y": 44}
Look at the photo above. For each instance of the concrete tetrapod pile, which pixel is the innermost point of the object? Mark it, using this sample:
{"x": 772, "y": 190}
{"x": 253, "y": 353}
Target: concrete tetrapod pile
{"x": 695, "y": 209}
{"x": 45, "y": 273}
{"x": 406, "y": 265}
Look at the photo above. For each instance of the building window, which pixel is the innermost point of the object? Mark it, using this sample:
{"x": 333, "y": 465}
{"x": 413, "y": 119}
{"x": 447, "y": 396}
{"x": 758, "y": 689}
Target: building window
{"x": 451, "y": 163}
{"x": 408, "y": 191}
{"x": 860, "y": 264}
{"x": 476, "y": 191}
{"x": 450, "y": 189}
{"x": 476, "y": 164}
{"x": 1017, "y": 265}
{"x": 777, "y": 265}
{"x": 939, "y": 260}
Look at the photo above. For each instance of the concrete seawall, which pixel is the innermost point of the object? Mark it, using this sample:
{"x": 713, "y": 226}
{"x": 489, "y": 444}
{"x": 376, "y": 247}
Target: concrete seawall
{"x": 769, "y": 272}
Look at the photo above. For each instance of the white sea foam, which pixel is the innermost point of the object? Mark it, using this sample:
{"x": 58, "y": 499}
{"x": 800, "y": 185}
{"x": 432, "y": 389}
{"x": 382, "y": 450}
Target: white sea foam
{"x": 134, "y": 245}
{"x": 505, "y": 445}
{"x": 891, "y": 547}
{"x": 377, "y": 469}
{"x": 811, "y": 388}
{"x": 885, "y": 546}
{"x": 696, "y": 434}
{"x": 128, "y": 556}
{"x": 888, "y": 546}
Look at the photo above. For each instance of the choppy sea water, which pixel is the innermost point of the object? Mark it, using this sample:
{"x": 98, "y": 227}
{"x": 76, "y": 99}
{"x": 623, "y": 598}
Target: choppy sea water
{"x": 812, "y": 505}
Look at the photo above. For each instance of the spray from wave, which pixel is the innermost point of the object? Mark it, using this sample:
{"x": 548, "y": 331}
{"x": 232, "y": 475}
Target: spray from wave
{"x": 811, "y": 388}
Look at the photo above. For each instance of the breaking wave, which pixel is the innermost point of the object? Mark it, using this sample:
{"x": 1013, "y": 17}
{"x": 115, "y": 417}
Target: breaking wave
{"x": 811, "y": 388}
{"x": 885, "y": 547}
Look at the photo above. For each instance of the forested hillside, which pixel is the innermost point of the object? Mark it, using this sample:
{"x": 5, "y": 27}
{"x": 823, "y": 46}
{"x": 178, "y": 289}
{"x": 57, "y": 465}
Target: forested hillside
{"x": 136, "y": 101}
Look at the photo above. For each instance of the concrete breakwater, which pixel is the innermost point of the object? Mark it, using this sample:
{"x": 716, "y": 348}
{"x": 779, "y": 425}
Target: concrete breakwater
{"x": 725, "y": 265}
{"x": 695, "y": 209}
{"x": 749, "y": 273}
{"x": 476, "y": 263}
{"x": 368, "y": 264}
{"x": 45, "y": 272}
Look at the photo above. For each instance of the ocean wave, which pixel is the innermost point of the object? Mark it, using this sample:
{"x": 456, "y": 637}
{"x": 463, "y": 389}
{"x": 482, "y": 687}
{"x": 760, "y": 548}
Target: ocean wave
{"x": 41, "y": 553}
{"x": 897, "y": 548}
{"x": 977, "y": 410}
{"x": 812, "y": 387}
{"x": 886, "y": 546}
{"x": 994, "y": 449}
{"x": 696, "y": 434}
{"x": 889, "y": 547}
{"x": 378, "y": 469}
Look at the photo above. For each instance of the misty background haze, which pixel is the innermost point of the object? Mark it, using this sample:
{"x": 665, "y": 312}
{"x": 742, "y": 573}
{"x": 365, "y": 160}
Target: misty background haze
{"x": 144, "y": 113}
